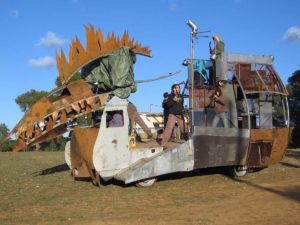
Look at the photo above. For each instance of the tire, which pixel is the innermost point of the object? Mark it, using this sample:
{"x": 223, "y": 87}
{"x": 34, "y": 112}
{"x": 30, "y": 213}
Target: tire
{"x": 146, "y": 183}
{"x": 68, "y": 154}
{"x": 239, "y": 171}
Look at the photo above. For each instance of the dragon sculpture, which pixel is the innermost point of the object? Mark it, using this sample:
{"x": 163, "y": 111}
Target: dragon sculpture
{"x": 49, "y": 116}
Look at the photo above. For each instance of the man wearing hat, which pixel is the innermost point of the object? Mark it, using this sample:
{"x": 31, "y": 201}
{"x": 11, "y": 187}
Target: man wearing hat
{"x": 218, "y": 47}
{"x": 216, "y": 56}
{"x": 175, "y": 110}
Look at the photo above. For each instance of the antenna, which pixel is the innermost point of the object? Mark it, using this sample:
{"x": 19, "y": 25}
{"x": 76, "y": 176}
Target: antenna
{"x": 195, "y": 32}
{"x": 190, "y": 63}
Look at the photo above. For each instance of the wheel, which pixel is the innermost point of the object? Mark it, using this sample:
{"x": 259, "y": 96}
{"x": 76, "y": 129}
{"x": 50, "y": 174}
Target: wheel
{"x": 239, "y": 171}
{"x": 68, "y": 154}
{"x": 146, "y": 183}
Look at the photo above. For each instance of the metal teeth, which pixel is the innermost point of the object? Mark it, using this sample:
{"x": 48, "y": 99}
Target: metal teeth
{"x": 29, "y": 133}
{"x": 96, "y": 47}
{"x": 45, "y": 116}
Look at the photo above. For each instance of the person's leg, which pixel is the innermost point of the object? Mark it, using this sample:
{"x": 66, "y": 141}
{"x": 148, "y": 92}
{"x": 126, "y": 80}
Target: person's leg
{"x": 225, "y": 119}
{"x": 180, "y": 123}
{"x": 165, "y": 120}
{"x": 215, "y": 120}
{"x": 168, "y": 130}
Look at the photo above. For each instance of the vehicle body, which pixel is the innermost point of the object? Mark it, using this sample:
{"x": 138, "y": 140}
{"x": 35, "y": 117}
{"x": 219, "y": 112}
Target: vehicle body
{"x": 113, "y": 148}
{"x": 256, "y": 138}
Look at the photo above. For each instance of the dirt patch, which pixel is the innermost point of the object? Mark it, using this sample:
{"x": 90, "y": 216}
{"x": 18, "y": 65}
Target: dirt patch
{"x": 36, "y": 188}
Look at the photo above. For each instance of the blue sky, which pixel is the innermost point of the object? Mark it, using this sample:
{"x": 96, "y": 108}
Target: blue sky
{"x": 31, "y": 32}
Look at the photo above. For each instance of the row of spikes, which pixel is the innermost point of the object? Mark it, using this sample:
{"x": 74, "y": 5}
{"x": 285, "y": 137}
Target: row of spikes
{"x": 96, "y": 47}
{"x": 26, "y": 135}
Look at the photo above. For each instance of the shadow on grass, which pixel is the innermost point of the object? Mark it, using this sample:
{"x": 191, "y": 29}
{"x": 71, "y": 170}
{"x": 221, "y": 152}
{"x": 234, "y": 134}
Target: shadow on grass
{"x": 56, "y": 169}
{"x": 173, "y": 176}
{"x": 293, "y": 153}
{"x": 193, "y": 173}
{"x": 292, "y": 193}
{"x": 289, "y": 165}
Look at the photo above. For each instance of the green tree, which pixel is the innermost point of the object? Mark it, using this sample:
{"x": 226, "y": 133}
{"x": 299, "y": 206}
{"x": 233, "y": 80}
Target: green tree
{"x": 4, "y": 131}
{"x": 7, "y": 145}
{"x": 294, "y": 91}
{"x": 294, "y": 104}
{"x": 53, "y": 146}
{"x": 57, "y": 144}
{"x": 61, "y": 142}
{"x": 26, "y": 100}
{"x": 85, "y": 120}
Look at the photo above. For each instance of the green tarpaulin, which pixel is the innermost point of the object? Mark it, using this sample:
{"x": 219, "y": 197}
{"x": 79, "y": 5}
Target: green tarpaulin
{"x": 113, "y": 73}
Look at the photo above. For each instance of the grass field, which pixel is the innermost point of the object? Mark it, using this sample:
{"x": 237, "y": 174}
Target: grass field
{"x": 36, "y": 188}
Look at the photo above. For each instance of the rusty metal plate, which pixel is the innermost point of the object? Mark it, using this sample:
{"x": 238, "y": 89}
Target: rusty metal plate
{"x": 48, "y": 116}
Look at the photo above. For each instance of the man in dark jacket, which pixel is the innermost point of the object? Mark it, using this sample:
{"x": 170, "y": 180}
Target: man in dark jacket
{"x": 165, "y": 107}
{"x": 175, "y": 110}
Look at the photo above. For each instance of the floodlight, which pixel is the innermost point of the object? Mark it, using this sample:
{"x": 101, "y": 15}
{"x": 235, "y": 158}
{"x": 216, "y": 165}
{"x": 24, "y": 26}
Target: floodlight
{"x": 192, "y": 26}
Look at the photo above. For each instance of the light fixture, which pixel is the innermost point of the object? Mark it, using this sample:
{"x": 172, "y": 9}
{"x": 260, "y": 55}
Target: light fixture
{"x": 192, "y": 26}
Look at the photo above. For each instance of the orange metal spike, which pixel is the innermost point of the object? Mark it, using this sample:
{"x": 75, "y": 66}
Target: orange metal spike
{"x": 50, "y": 124}
{"x": 76, "y": 55}
{"x": 100, "y": 40}
{"x": 38, "y": 132}
{"x": 63, "y": 118}
{"x": 55, "y": 116}
{"x": 65, "y": 67}
{"x": 96, "y": 47}
{"x": 30, "y": 131}
{"x": 76, "y": 107}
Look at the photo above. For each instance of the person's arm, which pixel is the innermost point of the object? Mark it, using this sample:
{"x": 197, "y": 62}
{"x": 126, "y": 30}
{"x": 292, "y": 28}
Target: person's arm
{"x": 164, "y": 103}
{"x": 221, "y": 100}
{"x": 170, "y": 101}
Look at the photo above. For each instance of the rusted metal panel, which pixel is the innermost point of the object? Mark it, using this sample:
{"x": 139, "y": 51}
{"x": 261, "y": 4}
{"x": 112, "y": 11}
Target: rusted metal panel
{"x": 79, "y": 90}
{"x": 42, "y": 107}
{"x": 259, "y": 153}
{"x": 37, "y": 126}
{"x": 261, "y": 135}
{"x": 201, "y": 98}
{"x": 258, "y": 78}
{"x": 82, "y": 145}
{"x": 47, "y": 136}
{"x": 280, "y": 143}
{"x": 267, "y": 146}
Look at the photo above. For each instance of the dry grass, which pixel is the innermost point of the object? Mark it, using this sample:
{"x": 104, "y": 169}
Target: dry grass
{"x": 36, "y": 188}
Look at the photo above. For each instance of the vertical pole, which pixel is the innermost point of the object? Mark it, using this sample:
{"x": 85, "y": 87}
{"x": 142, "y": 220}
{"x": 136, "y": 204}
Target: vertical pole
{"x": 192, "y": 74}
